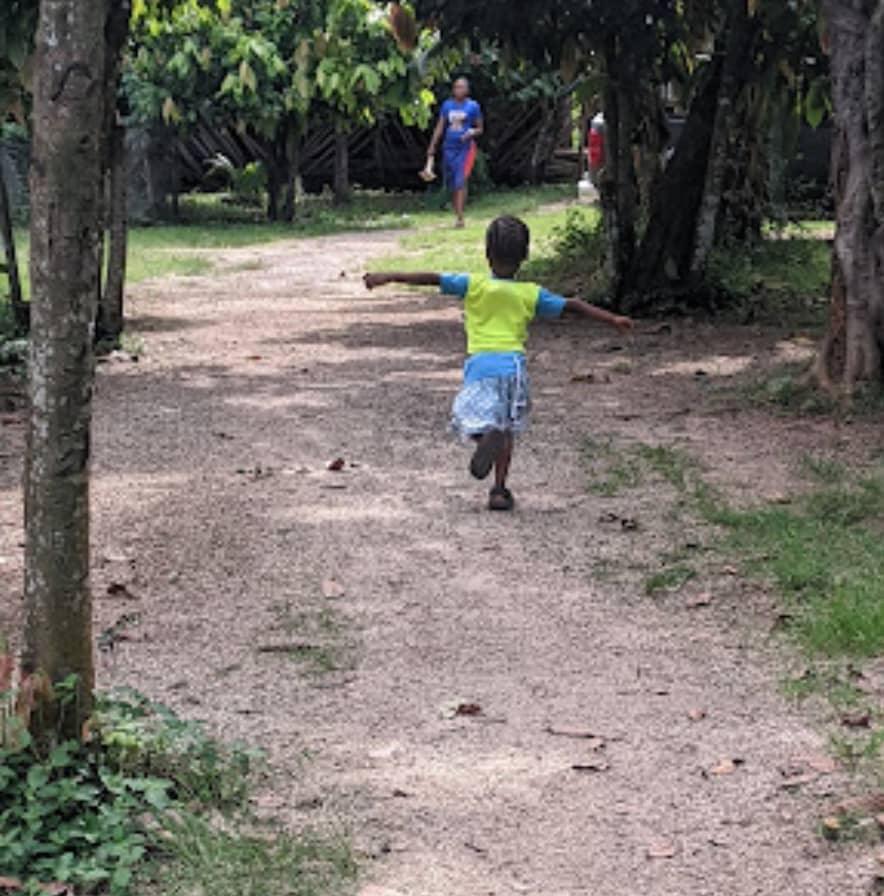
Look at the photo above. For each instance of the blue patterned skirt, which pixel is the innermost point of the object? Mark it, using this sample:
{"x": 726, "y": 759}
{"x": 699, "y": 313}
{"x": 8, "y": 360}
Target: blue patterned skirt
{"x": 496, "y": 402}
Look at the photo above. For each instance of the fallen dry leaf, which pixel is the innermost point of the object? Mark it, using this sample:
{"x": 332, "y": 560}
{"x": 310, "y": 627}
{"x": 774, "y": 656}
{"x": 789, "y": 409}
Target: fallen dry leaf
{"x": 590, "y": 377}
{"x": 576, "y": 733}
{"x": 696, "y": 714}
{"x": 332, "y": 590}
{"x": 817, "y": 762}
{"x": 726, "y": 767}
{"x": 729, "y": 570}
{"x": 831, "y": 826}
{"x": 592, "y": 764}
{"x": 460, "y": 708}
{"x": 118, "y": 589}
{"x": 662, "y": 849}
{"x": 337, "y": 465}
{"x": 799, "y": 780}
{"x": 857, "y": 720}
{"x": 879, "y": 820}
{"x": 699, "y": 600}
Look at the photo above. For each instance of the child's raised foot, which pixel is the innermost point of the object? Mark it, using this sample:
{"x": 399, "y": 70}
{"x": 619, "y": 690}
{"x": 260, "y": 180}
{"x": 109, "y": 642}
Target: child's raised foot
{"x": 486, "y": 453}
{"x": 501, "y": 498}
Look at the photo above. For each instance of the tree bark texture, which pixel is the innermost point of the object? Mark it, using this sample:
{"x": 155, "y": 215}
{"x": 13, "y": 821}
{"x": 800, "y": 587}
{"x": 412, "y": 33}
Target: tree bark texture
{"x": 109, "y": 323}
{"x": 664, "y": 259}
{"x": 619, "y": 188}
{"x": 740, "y": 29}
{"x": 342, "y": 168}
{"x": 20, "y": 309}
{"x": 66, "y": 200}
{"x": 852, "y": 348}
{"x": 110, "y": 314}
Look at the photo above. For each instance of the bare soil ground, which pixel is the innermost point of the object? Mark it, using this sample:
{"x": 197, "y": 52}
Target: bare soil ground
{"x": 338, "y": 619}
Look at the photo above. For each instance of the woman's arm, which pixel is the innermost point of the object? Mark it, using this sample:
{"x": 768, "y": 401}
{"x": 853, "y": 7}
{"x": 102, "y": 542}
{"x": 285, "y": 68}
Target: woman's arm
{"x": 593, "y": 312}
{"x": 372, "y": 281}
{"x": 438, "y": 131}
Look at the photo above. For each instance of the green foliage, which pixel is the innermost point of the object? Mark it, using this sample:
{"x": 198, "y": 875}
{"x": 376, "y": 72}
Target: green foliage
{"x": 573, "y": 258}
{"x": 79, "y": 813}
{"x": 73, "y": 817}
{"x": 149, "y": 740}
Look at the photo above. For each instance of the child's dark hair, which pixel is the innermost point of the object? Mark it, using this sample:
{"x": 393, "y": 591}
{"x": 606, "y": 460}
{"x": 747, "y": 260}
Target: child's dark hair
{"x": 507, "y": 241}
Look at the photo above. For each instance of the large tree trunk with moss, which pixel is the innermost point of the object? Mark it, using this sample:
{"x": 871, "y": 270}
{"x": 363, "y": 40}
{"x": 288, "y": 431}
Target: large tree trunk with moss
{"x": 110, "y": 314}
{"x": 66, "y": 197}
{"x": 20, "y": 310}
{"x": 852, "y": 348}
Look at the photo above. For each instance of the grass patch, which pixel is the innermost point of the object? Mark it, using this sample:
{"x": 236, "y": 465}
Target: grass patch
{"x": 315, "y": 637}
{"x": 616, "y": 468}
{"x": 826, "y": 554}
{"x": 443, "y": 249}
{"x": 200, "y": 858}
{"x": 672, "y": 578}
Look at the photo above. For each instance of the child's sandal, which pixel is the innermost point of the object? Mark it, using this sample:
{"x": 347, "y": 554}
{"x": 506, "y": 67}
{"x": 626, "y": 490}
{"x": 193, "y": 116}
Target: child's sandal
{"x": 501, "y": 499}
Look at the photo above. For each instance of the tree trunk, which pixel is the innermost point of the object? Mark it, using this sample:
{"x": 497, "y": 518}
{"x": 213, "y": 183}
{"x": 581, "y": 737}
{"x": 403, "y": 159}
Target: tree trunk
{"x": 66, "y": 198}
{"x": 20, "y": 309}
{"x": 852, "y": 348}
{"x": 740, "y": 29}
{"x": 292, "y": 167}
{"x": 664, "y": 259}
{"x": 342, "y": 168}
{"x": 618, "y": 182}
{"x": 110, "y": 312}
{"x": 109, "y": 320}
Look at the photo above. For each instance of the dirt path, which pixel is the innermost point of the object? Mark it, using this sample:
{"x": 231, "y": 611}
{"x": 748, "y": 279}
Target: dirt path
{"x": 338, "y": 615}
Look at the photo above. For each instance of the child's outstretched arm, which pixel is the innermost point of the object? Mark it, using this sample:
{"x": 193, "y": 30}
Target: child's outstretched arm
{"x": 372, "y": 281}
{"x": 593, "y": 312}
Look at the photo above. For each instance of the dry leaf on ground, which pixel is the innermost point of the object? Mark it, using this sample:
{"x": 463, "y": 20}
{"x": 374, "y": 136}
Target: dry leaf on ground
{"x": 337, "y": 465}
{"x": 699, "y": 600}
{"x": 697, "y": 714}
{"x": 662, "y": 849}
{"x": 592, "y": 764}
{"x": 332, "y": 589}
{"x": 726, "y": 767}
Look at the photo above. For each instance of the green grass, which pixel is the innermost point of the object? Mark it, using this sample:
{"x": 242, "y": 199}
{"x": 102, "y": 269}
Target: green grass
{"x": 615, "y": 468}
{"x": 446, "y": 249}
{"x": 198, "y": 857}
{"x": 184, "y": 249}
{"x": 826, "y": 554}
{"x": 672, "y": 578}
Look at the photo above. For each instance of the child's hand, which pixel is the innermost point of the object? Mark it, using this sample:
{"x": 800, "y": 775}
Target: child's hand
{"x": 623, "y": 324}
{"x": 372, "y": 281}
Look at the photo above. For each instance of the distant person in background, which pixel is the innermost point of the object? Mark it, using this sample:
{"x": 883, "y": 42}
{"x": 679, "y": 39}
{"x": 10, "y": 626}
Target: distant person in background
{"x": 459, "y": 124}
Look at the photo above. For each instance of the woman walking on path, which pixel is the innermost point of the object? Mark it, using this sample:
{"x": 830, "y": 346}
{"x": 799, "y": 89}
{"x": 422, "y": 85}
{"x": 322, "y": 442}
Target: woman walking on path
{"x": 459, "y": 124}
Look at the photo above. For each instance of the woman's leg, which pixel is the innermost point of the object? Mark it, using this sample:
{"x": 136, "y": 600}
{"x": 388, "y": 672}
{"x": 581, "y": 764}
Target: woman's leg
{"x": 460, "y": 202}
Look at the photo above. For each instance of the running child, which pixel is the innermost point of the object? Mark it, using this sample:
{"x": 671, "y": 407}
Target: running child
{"x": 494, "y": 403}
{"x": 460, "y": 122}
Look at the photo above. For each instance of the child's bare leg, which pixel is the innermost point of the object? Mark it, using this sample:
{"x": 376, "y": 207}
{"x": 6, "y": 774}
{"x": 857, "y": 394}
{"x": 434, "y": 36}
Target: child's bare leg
{"x": 502, "y": 464}
{"x": 501, "y": 498}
